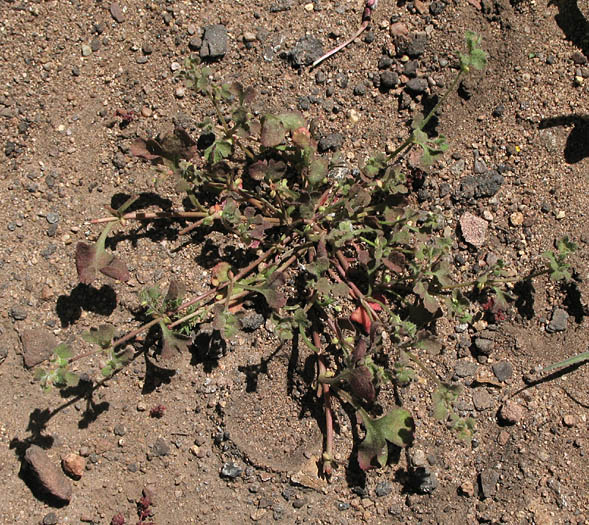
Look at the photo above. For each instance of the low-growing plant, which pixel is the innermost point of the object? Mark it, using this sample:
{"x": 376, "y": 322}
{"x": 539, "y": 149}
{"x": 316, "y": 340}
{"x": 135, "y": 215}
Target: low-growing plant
{"x": 344, "y": 262}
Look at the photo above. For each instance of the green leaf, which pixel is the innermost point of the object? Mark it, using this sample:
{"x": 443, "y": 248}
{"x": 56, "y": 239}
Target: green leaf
{"x": 63, "y": 352}
{"x": 429, "y": 343}
{"x": 318, "y": 266}
{"x": 107, "y": 371}
{"x": 291, "y": 120}
{"x": 71, "y": 379}
{"x": 101, "y": 336}
{"x": 175, "y": 294}
{"x": 443, "y": 399}
{"x": 225, "y": 322}
{"x": 272, "y": 290}
{"x": 375, "y": 164}
{"x": 464, "y": 428}
{"x": 273, "y": 132}
{"x": 579, "y": 358}
{"x": 318, "y": 171}
{"x": 430, "y": 303}
{"x": 478, "y": 59}
{"x": 396, "y": 427}
{"x": 282, "y": 328}
{"x": 173, "y": 343}
{"x": 220, "y": 273}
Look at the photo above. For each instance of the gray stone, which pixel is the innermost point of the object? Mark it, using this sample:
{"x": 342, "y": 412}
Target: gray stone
{"x": 194, "y": 43}
{"x": 50, "y": 519}
{"x": 488, "y": 479}
{"x": 231, "y": 471}
{"x": 18, "y": 313}
{"x": 384, "y": 488}
{"x": 424, "y": 480}
{"x": 388, "y": 80}
{"x": 281, "y": 5}
{"x": 415, "y": 46}
{"x": 120, "y": 430}
{"x": 51, "y": 479}
{"x": 117, "y": 13}
{"x": 484, "y": 185}
{"x": 559, "y": 320}
{"x": 416, "y": 86}
{"x": 331, "y": 142}
{"x": 214, "y": 42}
{"x": 458, "y": 167}
{"x": 160, "y": 447}
{"x": 119, "y": 160}
{"x": 484, "y": 346}
{"x": 251, "y": 321}
{"x": 52, "y": 217}
{"x": 482, "y": 400}
{"x": 38, "y": 345}
{"x": 503, "y": 370}
{"x": 305, "y": 51}
{"x": 86, "y": 50}
{"x": 465, "y": 368}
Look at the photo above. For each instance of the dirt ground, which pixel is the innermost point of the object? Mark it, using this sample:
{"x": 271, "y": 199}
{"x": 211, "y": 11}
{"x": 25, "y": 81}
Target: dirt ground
{"x": 239, "y": 438}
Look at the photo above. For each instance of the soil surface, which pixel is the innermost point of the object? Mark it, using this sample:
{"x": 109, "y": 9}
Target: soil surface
{"x": 239, "y": 438}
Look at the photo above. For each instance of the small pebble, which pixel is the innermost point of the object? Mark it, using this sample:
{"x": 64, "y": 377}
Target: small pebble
{"x": 516, "y": 218}
{"x": 86, "y": 50}
{"x": 231, "y": 471}
{"x": 511, "y": 412}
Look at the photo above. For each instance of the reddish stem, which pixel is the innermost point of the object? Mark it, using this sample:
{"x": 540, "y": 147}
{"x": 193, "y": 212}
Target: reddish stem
{"x": 326, "y": 394}
{"x": 143, "y": 216}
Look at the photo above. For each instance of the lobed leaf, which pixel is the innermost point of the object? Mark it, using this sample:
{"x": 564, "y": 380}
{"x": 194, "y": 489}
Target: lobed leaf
{"x": 396, "y": 427}
{"x": 101, "y": 336}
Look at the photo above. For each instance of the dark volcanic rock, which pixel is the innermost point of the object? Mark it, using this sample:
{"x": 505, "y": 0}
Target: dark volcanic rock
{"x": 214, "y": 42}
{"x": 306, "y": 51}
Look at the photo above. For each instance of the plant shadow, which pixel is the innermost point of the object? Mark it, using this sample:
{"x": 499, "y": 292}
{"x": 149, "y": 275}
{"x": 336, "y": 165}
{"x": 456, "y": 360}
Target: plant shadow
{"x": 85, "y": 297}
{"x": 573, "y": 23}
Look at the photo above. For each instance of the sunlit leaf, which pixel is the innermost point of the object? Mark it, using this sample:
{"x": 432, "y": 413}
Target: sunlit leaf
{"x": 173, "y": 343}
{"x": 396, "y": 427}
{"x": 92, "y": 258}
{"x": 101, "y": 336}
{"x": 291, "y": 120}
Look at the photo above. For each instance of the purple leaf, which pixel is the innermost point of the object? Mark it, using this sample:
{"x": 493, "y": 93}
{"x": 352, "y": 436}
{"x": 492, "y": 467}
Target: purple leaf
{"x": 92, "y": 258}
{"x": 360, "y": 380}
{"x": 273, "y": 132}
{"x": 116, "y": 269}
